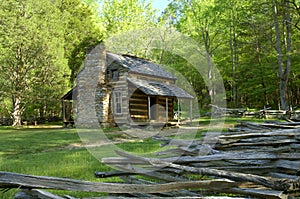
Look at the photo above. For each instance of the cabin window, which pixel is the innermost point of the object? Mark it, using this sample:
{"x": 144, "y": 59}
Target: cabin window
{"x": 118, "y": 102}
{"x": 114, "y": 74}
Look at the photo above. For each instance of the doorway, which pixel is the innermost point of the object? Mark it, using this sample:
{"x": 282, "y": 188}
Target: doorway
{"x": 153, "y": 111}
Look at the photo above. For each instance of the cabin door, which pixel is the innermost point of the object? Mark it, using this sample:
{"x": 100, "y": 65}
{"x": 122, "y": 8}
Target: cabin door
{"x": 153, "y": 106}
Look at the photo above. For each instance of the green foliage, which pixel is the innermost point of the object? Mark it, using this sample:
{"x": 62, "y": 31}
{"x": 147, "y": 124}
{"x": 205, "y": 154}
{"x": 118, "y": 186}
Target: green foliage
{"x": 122, "y": 15}
{"x": 82, "y": 31}
{"x": 241, "y": 39}
{"x": 40, "y": 43}
{"x": 31, "y": 51}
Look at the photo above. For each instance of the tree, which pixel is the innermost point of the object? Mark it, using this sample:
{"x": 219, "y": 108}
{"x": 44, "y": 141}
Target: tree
{"x": 122, "y": 15}
{"x": 283, "y": 34}
{"x": 255, "y": 75}
{"x": 38, "y": 41}
{"x": 198, "y": 19}
{"x": 31, "y": 49}
{"x": 255, "y": 45}
{"x": 83, "y": 30}
{"x": 130, "y": 25}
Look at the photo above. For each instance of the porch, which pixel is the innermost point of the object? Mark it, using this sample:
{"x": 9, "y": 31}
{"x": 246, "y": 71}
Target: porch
{"x": 155, "y": 103}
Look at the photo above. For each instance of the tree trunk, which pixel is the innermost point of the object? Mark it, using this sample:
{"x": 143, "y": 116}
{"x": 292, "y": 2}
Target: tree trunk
{"x": 210, "y": 67}
{"x": 234, "y": 55}
{"x": 260, "y": 63}
{"x": 284, "y": 71}
{"x": 17, "y": 111}
{"x": 279, "y": 56}
{"x": 210, "y": 75}
{"x": 288, "y": 44}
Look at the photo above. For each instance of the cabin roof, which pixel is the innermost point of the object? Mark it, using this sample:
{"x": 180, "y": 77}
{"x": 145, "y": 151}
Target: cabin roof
{"x": 71, "y": 94}
{"x": 159, "y": 89}
{"x": 140, "y": 66}
{"x": 144, "y": 67}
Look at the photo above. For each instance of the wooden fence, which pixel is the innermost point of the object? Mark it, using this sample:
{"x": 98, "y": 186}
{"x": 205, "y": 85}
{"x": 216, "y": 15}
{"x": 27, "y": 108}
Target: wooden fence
{"x": 252, "y": 160}
{"x": 265, "y": 113}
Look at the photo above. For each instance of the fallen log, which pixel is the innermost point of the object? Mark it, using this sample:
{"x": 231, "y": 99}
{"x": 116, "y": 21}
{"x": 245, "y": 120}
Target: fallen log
{"x": 111, "y": 174}
{"x": 249, "y": 155}
{"x": 235, "y": 188}
{"x": 15, "y": 180}
{"x": 282, "y": 175}
{"x": 133, "y": 180}
{"x": 286, "y": 132}
{"x": 40, "y": 194}
{"x": 153, "y": 173}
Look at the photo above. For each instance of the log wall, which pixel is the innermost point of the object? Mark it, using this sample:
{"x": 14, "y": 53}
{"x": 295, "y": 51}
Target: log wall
{"x": 138, "y": 107}
{"x": 161, "y": 112}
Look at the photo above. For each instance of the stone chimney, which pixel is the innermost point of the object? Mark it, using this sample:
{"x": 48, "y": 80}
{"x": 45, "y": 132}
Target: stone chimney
{"x": 88, "y": 79}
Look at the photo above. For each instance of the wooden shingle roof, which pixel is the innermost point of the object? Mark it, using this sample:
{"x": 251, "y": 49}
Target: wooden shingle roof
{"x": 140, "y": 66}
{"x": 159, "y": 89}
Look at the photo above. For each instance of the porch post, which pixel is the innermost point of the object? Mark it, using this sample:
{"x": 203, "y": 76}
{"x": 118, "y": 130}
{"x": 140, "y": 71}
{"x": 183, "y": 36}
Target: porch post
{"x": 191, "y": 110}
{"x": 64, "y": 113}
{"x": 178, "y": 116}
{"x": 167, "y": 110}
{"x": 63, "y": 110}
{"x": 149, "y": 109}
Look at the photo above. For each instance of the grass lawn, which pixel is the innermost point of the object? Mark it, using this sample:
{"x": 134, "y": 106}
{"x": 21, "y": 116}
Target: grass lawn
{"x": 49, "y": 152}
{"x": 46, "y": 151}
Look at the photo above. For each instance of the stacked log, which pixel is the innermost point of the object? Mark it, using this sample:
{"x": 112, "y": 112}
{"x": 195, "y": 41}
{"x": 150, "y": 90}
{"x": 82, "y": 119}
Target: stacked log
{"x": 259, "y": 160}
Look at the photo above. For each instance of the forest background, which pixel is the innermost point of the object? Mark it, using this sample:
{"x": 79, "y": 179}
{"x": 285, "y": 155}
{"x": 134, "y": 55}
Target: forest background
{"x": 254, "y": 44}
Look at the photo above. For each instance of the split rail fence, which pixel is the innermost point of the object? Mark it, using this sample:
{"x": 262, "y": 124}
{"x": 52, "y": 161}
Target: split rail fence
{"x": 252, "y": 160}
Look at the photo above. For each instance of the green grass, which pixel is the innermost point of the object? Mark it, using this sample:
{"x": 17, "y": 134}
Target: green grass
{"x": 140, "y": 147}
{"x": 24, "y": 141}
{"x": 45, "y": 152}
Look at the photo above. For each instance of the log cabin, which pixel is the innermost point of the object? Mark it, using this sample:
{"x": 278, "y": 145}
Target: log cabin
{"x": 128, "y": 90}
